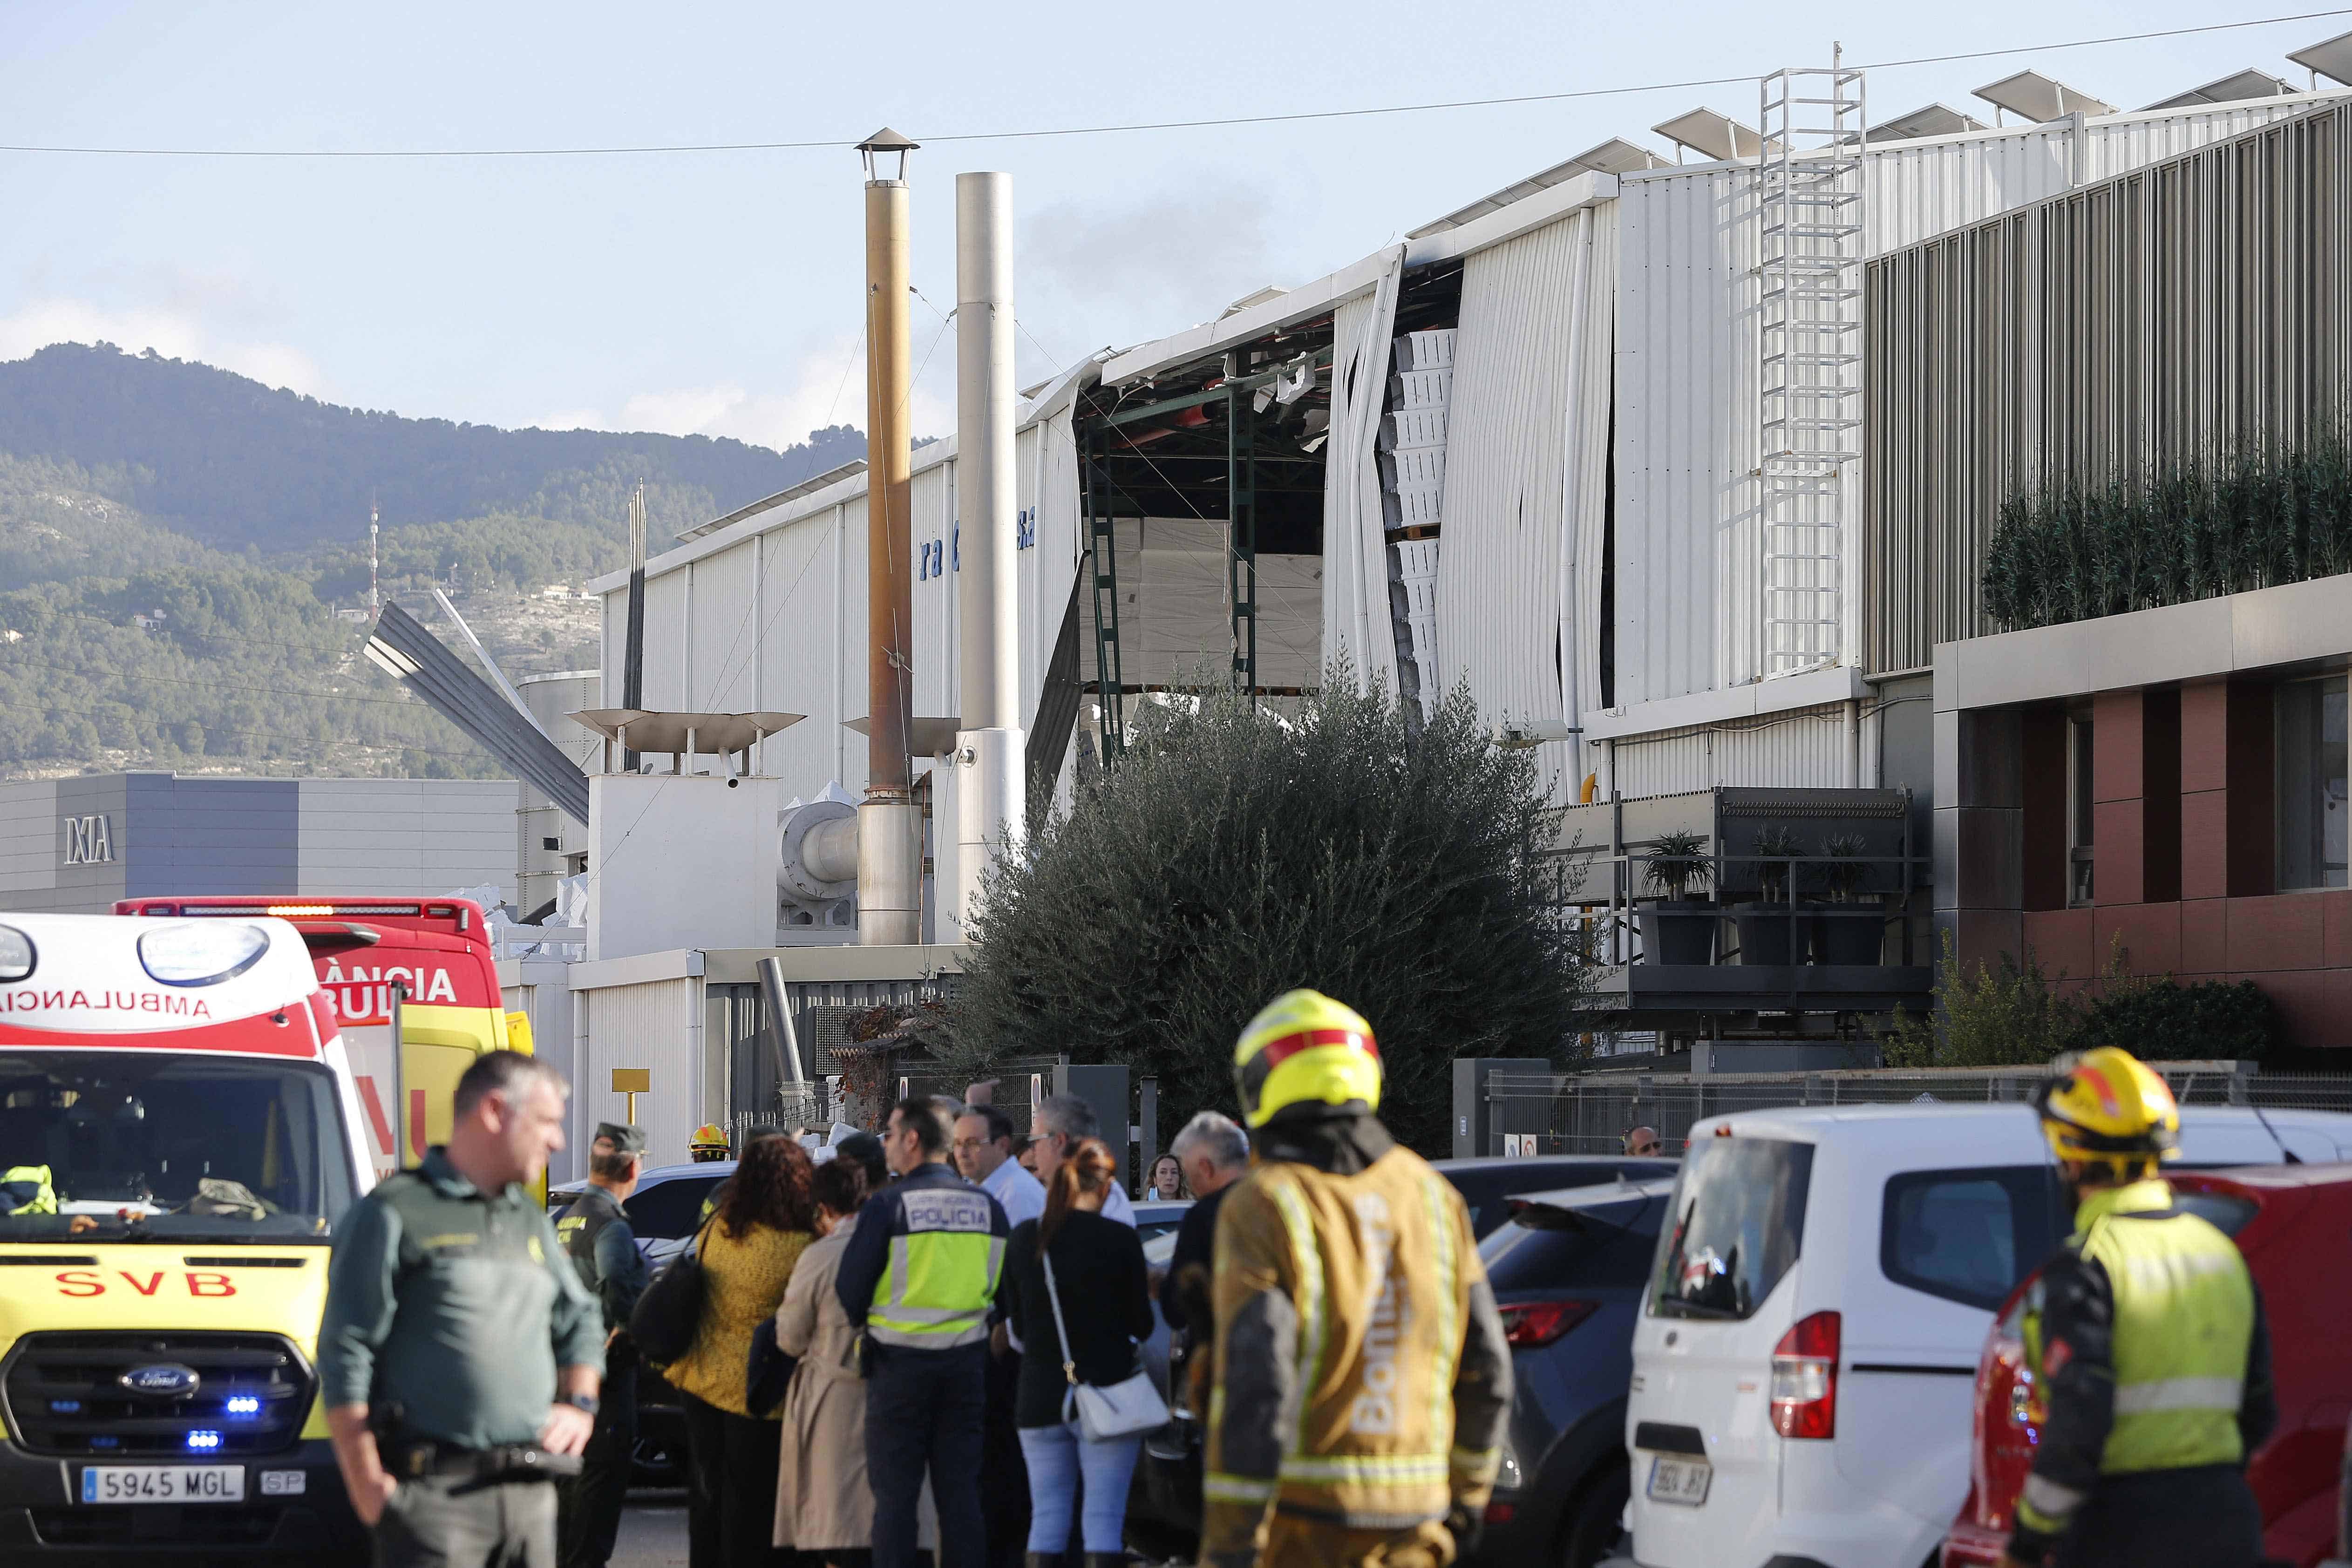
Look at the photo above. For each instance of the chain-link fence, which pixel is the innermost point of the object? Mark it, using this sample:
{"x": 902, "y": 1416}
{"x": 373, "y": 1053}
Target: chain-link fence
{"x": 1542, "y": 1113}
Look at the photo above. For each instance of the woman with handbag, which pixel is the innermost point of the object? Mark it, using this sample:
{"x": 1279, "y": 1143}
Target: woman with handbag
{"x": 1078, "y": 1301}
{"x": 824, "y": 1509}
{"x": 748, "y": 1252}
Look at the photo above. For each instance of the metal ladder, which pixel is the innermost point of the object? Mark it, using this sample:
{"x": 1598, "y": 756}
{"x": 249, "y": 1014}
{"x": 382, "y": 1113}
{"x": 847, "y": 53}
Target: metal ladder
{"x": 1809, "y": 211}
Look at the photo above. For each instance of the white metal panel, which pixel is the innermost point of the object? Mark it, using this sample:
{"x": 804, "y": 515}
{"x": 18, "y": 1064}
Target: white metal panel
{"x": 1688, "y": 584}
{"x": 1356, "y": 614}
{"x": 932, "y": 520}
{"x": 656, "y": 1025}
{"x": 413, "y": 836}
{"x": 1806, "y": 748}
{"x": 667, "y": 602}
{"x": 811, "y": 642}
{"x": 721, "y": 626}
{"x": 1528, "y": 375}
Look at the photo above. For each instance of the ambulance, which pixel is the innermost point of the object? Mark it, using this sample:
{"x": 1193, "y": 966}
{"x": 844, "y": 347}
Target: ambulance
{"x": 427, "y": 963}
{"x": 180, "y": 1130}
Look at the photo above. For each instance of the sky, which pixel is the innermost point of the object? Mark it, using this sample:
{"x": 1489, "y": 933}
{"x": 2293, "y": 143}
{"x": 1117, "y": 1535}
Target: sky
{"x": 720, "y": 293}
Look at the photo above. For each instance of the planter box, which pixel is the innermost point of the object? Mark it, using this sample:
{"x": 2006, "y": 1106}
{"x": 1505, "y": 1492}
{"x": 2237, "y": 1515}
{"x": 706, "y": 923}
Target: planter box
{"x": 1767, "y": 932}
{"x": 1679, "y": 931}
{"x": 1850, "y": 934}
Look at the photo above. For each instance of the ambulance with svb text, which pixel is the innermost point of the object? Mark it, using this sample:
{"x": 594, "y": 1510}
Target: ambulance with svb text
{"x": 180, "y": 1131}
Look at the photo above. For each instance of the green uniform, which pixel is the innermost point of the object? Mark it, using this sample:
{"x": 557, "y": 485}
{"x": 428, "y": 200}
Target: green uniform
{"x": 2146, "y": 1337}
{"x": 450, "y": 1309}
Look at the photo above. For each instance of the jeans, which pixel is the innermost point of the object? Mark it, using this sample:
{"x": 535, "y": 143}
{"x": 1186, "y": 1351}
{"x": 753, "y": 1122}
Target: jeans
{"x": 1059, "y": 1457}
{"x": 924, "y": 1410}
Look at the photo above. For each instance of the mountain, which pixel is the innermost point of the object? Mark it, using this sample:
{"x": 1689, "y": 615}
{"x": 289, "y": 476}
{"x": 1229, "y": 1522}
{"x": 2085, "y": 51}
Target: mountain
{"x": 232, "y": 463}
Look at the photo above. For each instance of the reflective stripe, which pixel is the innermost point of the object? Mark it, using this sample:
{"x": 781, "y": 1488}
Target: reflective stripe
{"x": 1236, "y": 1489}
{"x": 2048, "y": 1501}
{"x": 1448, "y": 1305}
{"x": 1395, "y": 1470}
{"x": 2180, "y": 1394}
{"x": 881, "y": 1332}
{"x": 1309, "y": 1258}
{"x": 1476, "y": 1464}
{"x": 898, "y": 1311}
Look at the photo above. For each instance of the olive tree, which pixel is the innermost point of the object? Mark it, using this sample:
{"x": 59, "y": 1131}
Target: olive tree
{"x": 1233, "y": 852}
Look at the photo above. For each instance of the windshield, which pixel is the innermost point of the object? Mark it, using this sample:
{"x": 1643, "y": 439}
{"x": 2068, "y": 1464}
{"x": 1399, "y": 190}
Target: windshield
{"x": 1739, "y": 1215}
{"x": 145, "y": 1146}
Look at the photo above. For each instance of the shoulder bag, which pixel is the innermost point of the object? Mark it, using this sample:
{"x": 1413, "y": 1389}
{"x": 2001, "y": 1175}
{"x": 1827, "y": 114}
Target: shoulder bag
{"x": 670, "y": 1314}
{"x": 1125, "y": 1408}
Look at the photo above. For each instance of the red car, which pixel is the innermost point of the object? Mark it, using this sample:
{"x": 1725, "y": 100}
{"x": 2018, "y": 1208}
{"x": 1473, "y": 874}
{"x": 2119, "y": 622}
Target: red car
{"x": 2293, "y": 1223}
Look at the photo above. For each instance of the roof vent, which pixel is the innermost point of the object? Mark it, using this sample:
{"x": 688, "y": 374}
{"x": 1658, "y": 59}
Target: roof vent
{"x": 1711, "y": 135}
{"x": 2233, "y": 89}
{"x": 1615, "y": 156}
{"x": 2040, "y": 99}
{"x": 1935, "y": 119}
{"x": 2332, "y": 60}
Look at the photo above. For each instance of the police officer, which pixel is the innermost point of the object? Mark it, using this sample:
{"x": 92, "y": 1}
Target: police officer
{"x": 1377, "y": 1446}
{"x": 459, "y": 1356}
{"x": 919, "y": 1277}
{"x": 597, "y": 1239}
{"x": 2149, "y": 1348}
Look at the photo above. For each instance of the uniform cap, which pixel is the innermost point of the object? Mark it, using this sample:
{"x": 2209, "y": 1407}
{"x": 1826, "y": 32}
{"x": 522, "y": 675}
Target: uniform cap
{"x": 624, "y": 1139}
{"x": 1305, "y": 1047}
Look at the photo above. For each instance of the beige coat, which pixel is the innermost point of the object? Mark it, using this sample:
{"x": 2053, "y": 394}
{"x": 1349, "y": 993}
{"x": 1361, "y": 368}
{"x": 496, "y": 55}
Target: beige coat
{"x": 823, "y": 1503}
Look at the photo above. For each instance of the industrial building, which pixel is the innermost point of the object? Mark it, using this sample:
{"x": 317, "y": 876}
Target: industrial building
{"x": 1687, "y": 470}
{"x": 75, "y": 845}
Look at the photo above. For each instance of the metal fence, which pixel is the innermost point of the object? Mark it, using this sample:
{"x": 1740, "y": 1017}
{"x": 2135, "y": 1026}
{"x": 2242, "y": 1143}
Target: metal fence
{"x": 1543, "y": 1113}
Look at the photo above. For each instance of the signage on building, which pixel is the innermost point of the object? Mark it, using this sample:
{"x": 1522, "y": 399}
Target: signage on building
{"x": 90, "y": 841}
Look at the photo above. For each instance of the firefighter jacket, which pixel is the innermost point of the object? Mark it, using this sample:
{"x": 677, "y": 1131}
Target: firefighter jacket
{"x": 2145, "y": 1336}
{"x": 921, "y": 1271}
{"x": 1362, "y": 1375}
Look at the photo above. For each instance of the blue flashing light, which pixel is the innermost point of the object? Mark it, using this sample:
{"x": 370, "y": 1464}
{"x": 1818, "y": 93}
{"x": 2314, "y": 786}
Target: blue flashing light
{"x": 65, "y": 1406}
{"x": 106, "y": 1442}
{"x": 244, "y": 1404}
{"x": 203, "y": 1439}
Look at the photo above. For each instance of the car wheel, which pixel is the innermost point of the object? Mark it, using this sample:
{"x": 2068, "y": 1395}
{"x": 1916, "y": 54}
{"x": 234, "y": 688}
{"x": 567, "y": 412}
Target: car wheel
{"x": 1593, "y": 1526}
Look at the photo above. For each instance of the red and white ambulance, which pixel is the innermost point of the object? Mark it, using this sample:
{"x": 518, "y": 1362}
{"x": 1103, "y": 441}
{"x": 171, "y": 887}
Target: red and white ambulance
{"x": 179, "y": 1133}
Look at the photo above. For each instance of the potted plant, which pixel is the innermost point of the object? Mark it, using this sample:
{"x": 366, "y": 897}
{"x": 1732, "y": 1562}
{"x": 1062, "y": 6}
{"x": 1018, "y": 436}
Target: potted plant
{"x": 1767, "y": 925}
{"x": 1849, "y": 929}
{"x": 1678, "y": 928}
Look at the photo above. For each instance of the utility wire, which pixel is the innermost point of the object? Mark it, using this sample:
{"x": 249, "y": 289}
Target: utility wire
{"x": 838, "y": 143}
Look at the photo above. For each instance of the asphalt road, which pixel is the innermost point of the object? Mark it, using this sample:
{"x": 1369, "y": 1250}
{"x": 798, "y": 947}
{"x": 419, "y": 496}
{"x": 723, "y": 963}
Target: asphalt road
{"x": 653, "y": 1531}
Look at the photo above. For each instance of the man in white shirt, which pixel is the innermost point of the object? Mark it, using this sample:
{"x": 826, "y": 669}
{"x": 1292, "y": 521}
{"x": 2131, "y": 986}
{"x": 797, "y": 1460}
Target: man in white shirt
{"x": 1061, "y": 1121}
{"x": 983, "y": 1154}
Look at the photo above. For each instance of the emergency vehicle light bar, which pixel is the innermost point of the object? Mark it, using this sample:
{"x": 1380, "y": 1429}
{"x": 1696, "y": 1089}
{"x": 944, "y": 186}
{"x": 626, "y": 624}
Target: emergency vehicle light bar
{"x": 303, "y": 911}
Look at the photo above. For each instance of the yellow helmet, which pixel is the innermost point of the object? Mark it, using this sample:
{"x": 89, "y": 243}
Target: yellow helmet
{"x": 709, "y": 1143}
{"x": 1305, "y": 1047}
{"x": 2104, "y": 1106}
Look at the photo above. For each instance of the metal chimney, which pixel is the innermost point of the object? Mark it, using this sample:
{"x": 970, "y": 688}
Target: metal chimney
{"x": 989, "y": 796}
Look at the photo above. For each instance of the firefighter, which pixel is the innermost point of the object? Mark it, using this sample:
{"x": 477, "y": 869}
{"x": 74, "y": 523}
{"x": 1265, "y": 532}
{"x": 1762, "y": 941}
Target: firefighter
{"x": 1362, "y": 1375}
{"x": 708, "y": 1144}
{"x": 2148, "y": 1345}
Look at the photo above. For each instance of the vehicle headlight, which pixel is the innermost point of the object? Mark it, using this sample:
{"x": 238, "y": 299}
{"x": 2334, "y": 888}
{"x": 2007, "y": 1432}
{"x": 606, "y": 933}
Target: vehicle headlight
{"x": 201, "y": 952}
{"x": 15, "y": 955}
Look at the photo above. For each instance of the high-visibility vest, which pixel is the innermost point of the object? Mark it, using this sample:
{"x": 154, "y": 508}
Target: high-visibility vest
{"x": 26, "y": 1189}
{"x": 946, "y": 1254}
{"x": 2184, "y": 1323}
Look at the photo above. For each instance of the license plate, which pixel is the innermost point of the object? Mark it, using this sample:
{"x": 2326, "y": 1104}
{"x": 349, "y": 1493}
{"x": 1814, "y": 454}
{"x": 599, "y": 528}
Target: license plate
{"x": 162, "y": 1483}
{"x": 1680, "y": 1481}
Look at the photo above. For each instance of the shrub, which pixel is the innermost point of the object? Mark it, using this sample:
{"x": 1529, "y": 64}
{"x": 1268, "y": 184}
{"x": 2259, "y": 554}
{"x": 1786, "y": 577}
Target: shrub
{"x": 1232, "y": 855}
{"x": 2165, "y": 1021}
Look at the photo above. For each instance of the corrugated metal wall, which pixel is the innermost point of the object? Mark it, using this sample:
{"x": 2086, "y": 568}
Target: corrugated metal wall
{"x": 776, "y": 620}
{"x": 1688, "y": 381}
{"x": 2191, "y": 307}
{"x": 1356, "y": 620}
{"x": 358, "y": 836}
{"x": 1805, "y": 749}
{"x": 1531, "y": 375}
{"x": 656, "y": 1025}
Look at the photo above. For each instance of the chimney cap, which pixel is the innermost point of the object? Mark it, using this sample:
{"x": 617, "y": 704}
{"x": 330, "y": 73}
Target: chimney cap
{"x": 888, "y": 141}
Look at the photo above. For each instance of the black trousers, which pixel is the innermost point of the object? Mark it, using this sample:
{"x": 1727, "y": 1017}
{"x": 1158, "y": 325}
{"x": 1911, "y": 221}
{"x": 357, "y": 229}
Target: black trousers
{"x": 588, "y": 1515}
{"x": 1004, "y": 1473}
{"x": 442, "y": 1522}
{"x": 925, "y": 1409}
{"x": 2200, "y": 1518}
{"x": 732, "y": 1479}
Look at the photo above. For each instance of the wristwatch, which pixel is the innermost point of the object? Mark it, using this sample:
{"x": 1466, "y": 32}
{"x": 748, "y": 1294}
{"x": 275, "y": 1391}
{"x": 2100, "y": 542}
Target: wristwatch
{"x": 586, "y": 1402}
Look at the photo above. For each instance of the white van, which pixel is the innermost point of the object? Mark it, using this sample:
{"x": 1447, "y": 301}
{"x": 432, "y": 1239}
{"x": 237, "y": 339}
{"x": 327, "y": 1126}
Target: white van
{"x": 1806, "y": 1355}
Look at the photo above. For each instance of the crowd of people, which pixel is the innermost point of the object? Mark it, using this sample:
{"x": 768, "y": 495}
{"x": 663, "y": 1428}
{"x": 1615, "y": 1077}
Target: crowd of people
{"x": 924, "y": 1341}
